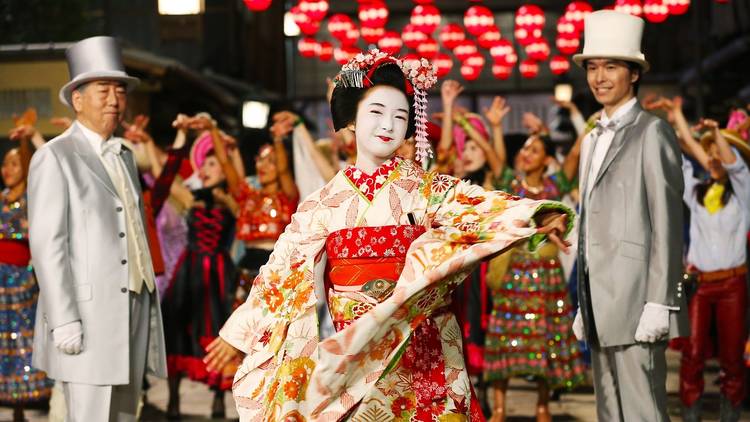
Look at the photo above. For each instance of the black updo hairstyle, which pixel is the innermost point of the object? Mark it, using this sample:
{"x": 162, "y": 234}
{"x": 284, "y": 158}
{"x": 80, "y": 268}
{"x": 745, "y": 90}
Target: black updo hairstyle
{"x": 345, "y": 100}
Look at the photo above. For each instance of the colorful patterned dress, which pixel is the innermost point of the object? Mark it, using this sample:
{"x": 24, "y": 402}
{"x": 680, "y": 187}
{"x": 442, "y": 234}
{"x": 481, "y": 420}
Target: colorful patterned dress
{"x": 18, "y": 297}
{"x": 397, "y": 354}
{"x": 530, "y": 329}
{"x": 200, "y": 297}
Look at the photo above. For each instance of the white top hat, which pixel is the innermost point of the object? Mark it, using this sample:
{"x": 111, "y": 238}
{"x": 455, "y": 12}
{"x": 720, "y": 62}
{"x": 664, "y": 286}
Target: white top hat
{"x": 612, "y": 35}
{"x": 95, "y": 58}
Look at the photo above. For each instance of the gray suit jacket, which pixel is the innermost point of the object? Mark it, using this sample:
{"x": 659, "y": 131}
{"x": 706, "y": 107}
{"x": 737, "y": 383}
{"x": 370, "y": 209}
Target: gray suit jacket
{"x": 635, "y": 228}
{"x": 75, "y": 221}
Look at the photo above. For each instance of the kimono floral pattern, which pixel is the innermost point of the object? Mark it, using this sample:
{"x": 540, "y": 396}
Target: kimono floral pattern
{"x": 289, "y": 373}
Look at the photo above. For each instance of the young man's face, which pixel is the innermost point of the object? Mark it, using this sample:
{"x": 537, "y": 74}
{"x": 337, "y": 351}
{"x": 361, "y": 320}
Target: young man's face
{"x": 611, "y": 81}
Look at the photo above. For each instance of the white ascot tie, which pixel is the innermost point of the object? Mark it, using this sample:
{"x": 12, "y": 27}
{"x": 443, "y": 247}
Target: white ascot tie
{"x": 140, "y": 268}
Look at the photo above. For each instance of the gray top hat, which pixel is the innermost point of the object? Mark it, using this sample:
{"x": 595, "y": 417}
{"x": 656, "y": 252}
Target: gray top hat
{"x": 95, "y": 58}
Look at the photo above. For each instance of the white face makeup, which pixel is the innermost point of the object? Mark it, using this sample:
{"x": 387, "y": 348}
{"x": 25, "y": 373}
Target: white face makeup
{"x": 380, "y": 126}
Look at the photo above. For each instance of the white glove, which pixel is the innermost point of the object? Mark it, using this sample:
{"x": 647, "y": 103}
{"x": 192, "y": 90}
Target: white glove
{"x": 654, "y": 323}
{"x": 578, "y": 327}
{"x": 68, "y": 338}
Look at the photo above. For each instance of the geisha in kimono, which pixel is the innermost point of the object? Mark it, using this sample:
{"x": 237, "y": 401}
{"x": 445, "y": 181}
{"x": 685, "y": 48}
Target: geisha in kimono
{"x": 390, "y": 242}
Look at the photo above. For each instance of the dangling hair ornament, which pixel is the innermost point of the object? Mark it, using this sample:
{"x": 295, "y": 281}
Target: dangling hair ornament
{"x": 420, "y": 77}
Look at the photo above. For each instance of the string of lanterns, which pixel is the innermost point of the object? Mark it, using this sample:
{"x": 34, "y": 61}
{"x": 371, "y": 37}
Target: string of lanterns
{"x": 424, "y": 36}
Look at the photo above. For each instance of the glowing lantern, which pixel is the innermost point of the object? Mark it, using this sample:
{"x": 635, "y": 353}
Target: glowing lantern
{"x": 500, "y": 51}
{"x": 444, "y": 64}
{"x": 567, "y": 46}
{"x": 315, "y": 9}
{"x": 677, "y": 7}
{"x": 427, "y": 48}
{"x": 339, "y": 24}
{"x": 306, "y": 25}
{"x": 655, "y": 11}
{"x": 529, "y": 69}
{"x": 576, "y": 13}
{"x": 527, "y": 36}
{"x": 307, "y": 47}
{"x": 372, "y": 35}
{"x": 464, "y": 49}
{"x": 488, "y": 38}
{"x": 631, "y": 7}
{"x": 257, "y": 5}
{"x": 425, "y": 18}
{"x": 478, "y": 20}
{"x": 390, "y": 43}
{"x": 351, "y": 37}
{"x": 450, "y": 35}
{"x": 470, "y": 73}
{"x": 559, "y": 65}
{"x": 324, "y": 51}
{"x": 343, "y": 54}
{"x": 411, "y": 36}
{"x": 529, "y": 17}
{"x": 373, "y": 15}
{"x": 538, "y": 50}
{"x": 501, "y": 71}
{"x": 475, "y": 60}
{"x": 566, "y": 28}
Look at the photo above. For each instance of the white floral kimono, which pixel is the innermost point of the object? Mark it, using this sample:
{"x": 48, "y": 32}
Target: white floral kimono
{"x": 288, "y": 374}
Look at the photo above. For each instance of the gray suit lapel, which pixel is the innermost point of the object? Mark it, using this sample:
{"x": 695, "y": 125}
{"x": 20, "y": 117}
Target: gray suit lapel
{"x": 87, "y": 154}
{"x": 619, "y": 140}
{"x": 129, "y": 160}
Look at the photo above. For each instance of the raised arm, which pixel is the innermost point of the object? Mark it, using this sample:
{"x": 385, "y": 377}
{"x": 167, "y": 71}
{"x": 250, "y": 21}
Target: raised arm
{"x": 495, "y": 115}
{"x": 570, "y": 165}
{"x": 324, "y": 167}
{"x": 279, "y": 131}
{"x": 496, "y": 166}
{"x": 449, "y": 91}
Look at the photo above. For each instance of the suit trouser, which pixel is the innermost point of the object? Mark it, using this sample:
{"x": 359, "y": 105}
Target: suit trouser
{"x": 630, "y": 382}
{"x": 115, "y": 403}
{"x": 725, "y": 301}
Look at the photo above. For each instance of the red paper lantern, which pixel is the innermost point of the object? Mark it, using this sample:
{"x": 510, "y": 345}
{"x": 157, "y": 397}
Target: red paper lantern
{"x": 529, "y": 69}
{"x": 678, "y": 7}
{"x": 566, "y": 28}
{"x": 315, "y": 9}
{"x": 422, "y": 1}
{"x": 478, "y": 19}
{"x": 339, "y": 24}
{"x": 576, "y": 13}
{"x": 525, "y": 36}
{"x": 512, "y": 58}
{"x": 559, "y": 65}
{"x": 464, "y": 49}
{"x": 306, "y": 25}
{"x": 351, "y": 37}
{"x": 450, "y": 35}
{"x": 343, "y": 54}
{"x": 530, "y": 16}
{"x": 411, "y": 36}
{"x": 428, "y": 48}
{"x": 425, "y": 18}
{"x": 538, "y": 50}
{"x": 444, "y": 64}
{"x": 307, "y": 47}
{"x": 502, "y": 71}
{"x": 257, "y": 5}
{"x": 373, "y": 15}
{"x": 372, "y": 35}
{"x": 488, "y": 38}
{"x": 390, "y": 43}
{"x": 655, "y": 11}
{"x": 470, "y": 73}
{"x": 324, "y": 51}
{"x": 475, "y": 60}
{"x": 500, "y": 50}
{"x": 631, "y": 7}
{"x": 567, "y": 46}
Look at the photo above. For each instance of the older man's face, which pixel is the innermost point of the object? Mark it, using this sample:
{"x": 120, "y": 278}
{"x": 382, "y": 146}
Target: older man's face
{"x": 100, "y": 105}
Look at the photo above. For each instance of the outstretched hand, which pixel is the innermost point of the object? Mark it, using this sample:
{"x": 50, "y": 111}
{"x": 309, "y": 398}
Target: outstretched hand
{"x": 555, "y": 225}
{"x": 497, "y": 111}
{"x": 219, "y": 354}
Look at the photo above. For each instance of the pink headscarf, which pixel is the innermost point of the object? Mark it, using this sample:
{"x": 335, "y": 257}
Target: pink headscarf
{"x": 459, "y": 135}
{"x": 736, "y": 119}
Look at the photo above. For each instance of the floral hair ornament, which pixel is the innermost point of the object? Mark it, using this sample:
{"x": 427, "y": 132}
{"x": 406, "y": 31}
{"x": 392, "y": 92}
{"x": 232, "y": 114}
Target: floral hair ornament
{"x": 420, "y": 76}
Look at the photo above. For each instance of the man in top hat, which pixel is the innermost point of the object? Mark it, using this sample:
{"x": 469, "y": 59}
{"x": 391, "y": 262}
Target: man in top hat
{"x": 630, "y": 242}
{"x": 98, "y": 326}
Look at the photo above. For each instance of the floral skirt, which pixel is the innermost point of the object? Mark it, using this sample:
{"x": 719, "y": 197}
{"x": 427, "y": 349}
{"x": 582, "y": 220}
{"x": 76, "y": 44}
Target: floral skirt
{"x": 19, "y": 382}
{"x": 530, "y": 328}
